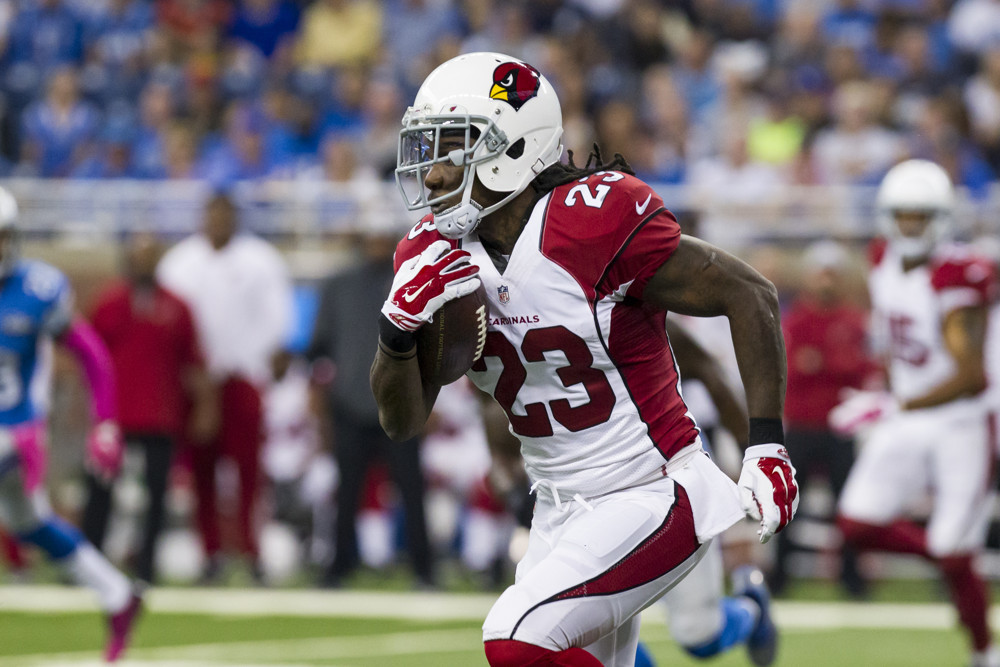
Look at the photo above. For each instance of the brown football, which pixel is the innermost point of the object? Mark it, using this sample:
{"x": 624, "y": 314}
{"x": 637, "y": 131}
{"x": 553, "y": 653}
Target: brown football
{"x": 449, "y": 345}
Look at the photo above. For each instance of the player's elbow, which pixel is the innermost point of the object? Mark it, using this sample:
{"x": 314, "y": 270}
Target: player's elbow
{"x": 398, "y": 430}
{"x": 757, "y": 297}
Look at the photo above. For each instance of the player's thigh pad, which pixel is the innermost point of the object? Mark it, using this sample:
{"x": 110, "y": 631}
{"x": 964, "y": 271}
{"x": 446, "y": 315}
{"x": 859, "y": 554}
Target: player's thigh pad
{"x": 891, "y": 473}
{"x": 963, "y": 466}
{"x": 21, "y": 510}
{"x": 617, "y": 648}
{"x": 588, "y": 570}
{"x": 694, "y": 604}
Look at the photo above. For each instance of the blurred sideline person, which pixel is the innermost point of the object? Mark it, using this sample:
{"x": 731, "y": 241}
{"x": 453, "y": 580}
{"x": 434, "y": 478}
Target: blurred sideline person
{"x": 826, "y": 338}
{"x": 239, "y": 290}
{"x": 456, "y": 460}
{"x": 302, "y": 475}
{"x": 349, "y": 303}
{"x": 579, "y": 267}
{"x": 929, "y": 304}
{"x": 158, "y": 366}
{"x": 37, "y": 305}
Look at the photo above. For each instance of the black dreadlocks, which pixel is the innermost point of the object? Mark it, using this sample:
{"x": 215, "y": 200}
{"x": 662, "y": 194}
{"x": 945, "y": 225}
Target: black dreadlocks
{"x": 560, "y": 174}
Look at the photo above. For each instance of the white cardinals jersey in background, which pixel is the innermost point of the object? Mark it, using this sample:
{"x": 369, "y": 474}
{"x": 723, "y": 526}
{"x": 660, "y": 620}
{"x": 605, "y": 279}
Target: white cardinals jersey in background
{"x": 582, "y": 368}
{"x": 909, "y": 309}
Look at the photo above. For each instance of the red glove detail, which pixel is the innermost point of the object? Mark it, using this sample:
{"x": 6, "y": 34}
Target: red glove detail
{"x": 768, "y": 489}
{"x": 428, "y": 281}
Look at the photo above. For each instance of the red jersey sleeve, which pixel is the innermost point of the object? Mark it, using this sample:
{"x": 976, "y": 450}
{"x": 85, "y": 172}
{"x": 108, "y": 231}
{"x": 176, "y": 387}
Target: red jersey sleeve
{"x": 416, "y": 241}
{"x": 876, "y": 251}
{"x": 611, "y": 231}
{"x": 964, "y": 280}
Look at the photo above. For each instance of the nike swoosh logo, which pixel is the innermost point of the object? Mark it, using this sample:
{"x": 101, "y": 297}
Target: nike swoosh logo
{"x": 410, "y": 296}
{"x": 639, "y": 210}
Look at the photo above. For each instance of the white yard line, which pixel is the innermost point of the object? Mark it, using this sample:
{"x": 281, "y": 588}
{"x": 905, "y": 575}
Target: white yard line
{"x": 277, "y": 652}
{"x": 67, "y": 660}
{"x": 237, "y": 602}
{"x": 438, "y": 606}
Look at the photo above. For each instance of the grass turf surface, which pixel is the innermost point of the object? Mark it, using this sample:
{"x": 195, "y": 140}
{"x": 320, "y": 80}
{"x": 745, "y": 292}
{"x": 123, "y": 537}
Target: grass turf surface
{"x": 198, "y": 640}
{"x": 814, "y": 635}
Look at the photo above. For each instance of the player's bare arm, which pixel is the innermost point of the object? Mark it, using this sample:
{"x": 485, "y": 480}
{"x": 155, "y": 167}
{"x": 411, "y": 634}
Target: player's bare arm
{"x": 404, "y": 400}
{"x": 964, "y": 333}
{"x": 423, "y": 284}
{"x": 700, "y": 279}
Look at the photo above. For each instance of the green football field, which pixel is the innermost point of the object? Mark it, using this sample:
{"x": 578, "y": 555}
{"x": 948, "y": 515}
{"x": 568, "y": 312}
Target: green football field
{"x": 52, "y": 625}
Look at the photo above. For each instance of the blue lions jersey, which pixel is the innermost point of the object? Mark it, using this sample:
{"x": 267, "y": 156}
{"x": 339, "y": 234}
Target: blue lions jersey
{"x": 35, "y": 304}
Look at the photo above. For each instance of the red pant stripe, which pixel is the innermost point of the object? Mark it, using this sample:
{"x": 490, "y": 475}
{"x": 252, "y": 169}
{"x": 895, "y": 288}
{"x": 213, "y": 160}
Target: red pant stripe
{"x": 673, "y": 542}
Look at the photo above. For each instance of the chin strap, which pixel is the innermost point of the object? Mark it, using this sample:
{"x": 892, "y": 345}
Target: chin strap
{"x": 462, "y": 219}
{"x": 458, "y": 221}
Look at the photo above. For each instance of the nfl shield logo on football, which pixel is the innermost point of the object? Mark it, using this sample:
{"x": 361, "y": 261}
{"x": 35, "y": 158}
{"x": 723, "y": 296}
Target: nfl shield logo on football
{"x": 503, "y": 293}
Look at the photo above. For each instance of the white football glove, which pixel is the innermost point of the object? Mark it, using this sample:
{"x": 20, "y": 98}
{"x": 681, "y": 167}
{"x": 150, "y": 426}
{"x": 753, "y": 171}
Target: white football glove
{"x": 426, "y": 282}
{"x": 768, "y": 490}
{"x": 859, "y": 410}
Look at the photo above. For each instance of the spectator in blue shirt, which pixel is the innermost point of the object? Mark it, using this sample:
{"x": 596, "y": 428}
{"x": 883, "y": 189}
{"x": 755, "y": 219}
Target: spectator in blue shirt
{"x": 849, "y": 23}
{"x": 411, "y": 29}
{"x": 243, "y": 153}
{"x": 46, "y": 34}
{"x": 265, "y": 25}
{"x": 156, "y": 112}
{"x": 112, "y": 156}
{"x": 696, "y": 81}
{"x": 120, "y": 34}
{"x": 58, "y": 131}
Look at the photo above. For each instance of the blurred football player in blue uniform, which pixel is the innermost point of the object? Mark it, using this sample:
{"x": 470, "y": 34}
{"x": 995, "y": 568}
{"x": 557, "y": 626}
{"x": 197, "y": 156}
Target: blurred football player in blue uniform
{"x": 36, "y": 305}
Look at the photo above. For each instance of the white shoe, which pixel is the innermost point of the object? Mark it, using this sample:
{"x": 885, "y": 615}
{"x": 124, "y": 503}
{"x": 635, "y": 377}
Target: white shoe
{"x": 988, "y": 658}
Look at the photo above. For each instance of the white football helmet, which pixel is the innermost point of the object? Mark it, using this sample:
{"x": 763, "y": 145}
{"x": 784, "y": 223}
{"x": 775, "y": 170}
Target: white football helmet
{"x": 10, "y": 251}
{"x": 916, "y": 186}
{"x": 518, "y": 128}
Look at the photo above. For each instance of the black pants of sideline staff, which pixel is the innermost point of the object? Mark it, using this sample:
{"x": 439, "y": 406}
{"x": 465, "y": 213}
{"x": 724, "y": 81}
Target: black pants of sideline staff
{"x": 356, "y": 445}
{"x": 819, "y": 454}
{"x": 157, "y": 452}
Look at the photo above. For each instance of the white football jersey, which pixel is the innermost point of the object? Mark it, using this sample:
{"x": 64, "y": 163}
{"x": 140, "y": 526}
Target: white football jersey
{"x": 909, "y": 309}
{"x": 581, "y": 366}
{"x": 993, "y": 358}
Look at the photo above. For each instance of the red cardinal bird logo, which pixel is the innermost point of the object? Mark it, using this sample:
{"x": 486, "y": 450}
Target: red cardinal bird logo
{"x": 515, "y": 83}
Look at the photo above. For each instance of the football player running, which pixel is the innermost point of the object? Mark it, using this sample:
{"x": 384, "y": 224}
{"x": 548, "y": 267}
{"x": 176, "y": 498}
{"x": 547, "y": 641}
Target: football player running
{"x": 36, "y": 306}
{"x": 929, "y": 312}
{"x": 579, "y": 267}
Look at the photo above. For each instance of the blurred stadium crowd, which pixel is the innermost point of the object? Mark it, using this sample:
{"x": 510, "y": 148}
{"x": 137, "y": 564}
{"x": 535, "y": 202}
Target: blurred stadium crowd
{"x": 781, "y": 91}
{"x": 733, "y": 101}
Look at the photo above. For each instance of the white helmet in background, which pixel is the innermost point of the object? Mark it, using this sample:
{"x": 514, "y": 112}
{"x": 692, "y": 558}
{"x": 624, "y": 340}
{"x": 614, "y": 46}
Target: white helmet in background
{"x": 916, "y": 186}
{"x": 10, "y": 248}
{"x": 512, "y": 123}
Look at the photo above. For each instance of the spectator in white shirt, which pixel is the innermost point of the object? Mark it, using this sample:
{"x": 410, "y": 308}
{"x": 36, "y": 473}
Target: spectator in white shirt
{"x": 239, "y": 291}
{"x": 857, "y": 150}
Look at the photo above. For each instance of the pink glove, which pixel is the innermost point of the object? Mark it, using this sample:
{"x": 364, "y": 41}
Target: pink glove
{"x": 29, "y": 440}
{"x": 428, "y": 281}
{"x": 768, "y": 490}
{"x": 104, "y": 451}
